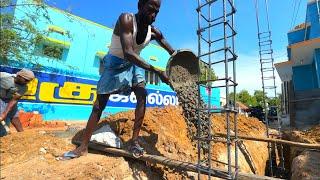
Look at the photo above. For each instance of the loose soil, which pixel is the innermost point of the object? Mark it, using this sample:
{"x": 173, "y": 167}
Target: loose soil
{"x": 32, "y": 154}
{"x": 304, "y": 164}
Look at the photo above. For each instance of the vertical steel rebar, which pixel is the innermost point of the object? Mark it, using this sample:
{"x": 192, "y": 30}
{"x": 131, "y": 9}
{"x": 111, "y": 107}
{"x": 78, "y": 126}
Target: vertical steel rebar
{"x": 198, "y": 105}
{"x": 235, "y": 103}
{"x": 227, "y": 86}
{"x": 209, "y": 93}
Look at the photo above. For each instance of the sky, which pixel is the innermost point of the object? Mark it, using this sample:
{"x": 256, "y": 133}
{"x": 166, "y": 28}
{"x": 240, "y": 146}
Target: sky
{"x": 177, "y": 20}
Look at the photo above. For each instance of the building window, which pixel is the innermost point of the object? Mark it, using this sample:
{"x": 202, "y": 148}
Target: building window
{"x": 53, "y": 51}
{"x": 53, "y": 48}
{"x": 152, "y": 78}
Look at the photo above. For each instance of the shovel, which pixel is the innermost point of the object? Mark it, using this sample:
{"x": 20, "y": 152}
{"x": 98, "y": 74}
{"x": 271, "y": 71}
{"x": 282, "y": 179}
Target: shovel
{"x": 5, "y": 126}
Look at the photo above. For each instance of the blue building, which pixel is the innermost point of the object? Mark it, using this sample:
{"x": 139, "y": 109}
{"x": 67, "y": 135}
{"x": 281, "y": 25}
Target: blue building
{"x": 300, "y": 75}
{"x": 66, "y": 87}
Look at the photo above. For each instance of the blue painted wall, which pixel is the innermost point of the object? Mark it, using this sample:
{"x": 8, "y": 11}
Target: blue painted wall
{"x": 313, "y": 31}
{"x": 298, "y": 36}
{"x": 214, "y": 98}
{"x": 306, "y": 77}
{"x": 317, "y": 65}
{"x": 303, "y": 77}
{"x": 313, "y": 18}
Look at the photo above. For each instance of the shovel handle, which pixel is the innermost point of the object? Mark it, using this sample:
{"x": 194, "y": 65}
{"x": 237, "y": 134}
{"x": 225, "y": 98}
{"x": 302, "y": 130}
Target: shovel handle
{"x": 5, "y": 127}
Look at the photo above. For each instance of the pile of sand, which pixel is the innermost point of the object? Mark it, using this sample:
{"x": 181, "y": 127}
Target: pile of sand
{"x": 164, "y": 132}
{"x": 31, "y": 154}
{"x": 247, "y": 126}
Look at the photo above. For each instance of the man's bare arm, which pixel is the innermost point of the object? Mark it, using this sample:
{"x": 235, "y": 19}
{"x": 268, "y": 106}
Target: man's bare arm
{"x": 126, "y": 38}
{"x": 158, "y": 36}
{"x": 12, "y": 103}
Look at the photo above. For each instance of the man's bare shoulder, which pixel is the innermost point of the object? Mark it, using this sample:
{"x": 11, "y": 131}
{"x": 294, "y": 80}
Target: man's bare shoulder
{"x": 125, "y": 23}
{"x": 126, "y": 20}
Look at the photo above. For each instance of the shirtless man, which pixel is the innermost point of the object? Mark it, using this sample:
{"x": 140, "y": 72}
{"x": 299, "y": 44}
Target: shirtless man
{"x": 124, "y": 69}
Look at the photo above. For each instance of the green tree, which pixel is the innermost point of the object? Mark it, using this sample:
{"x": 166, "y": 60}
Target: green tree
{"x": 246, "y": 98}
{"x": 19, "y": 36}
{"x": 276, "y": 101}
{"x": 259, "y": 96}
{"x": 206, "y": 72}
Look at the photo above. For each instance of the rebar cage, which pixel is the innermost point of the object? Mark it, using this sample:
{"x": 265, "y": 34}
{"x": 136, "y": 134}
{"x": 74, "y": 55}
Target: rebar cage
{"x": 216, "y": 48}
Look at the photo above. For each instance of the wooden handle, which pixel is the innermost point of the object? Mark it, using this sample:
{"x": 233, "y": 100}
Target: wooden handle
{"x": 5, "y": 126}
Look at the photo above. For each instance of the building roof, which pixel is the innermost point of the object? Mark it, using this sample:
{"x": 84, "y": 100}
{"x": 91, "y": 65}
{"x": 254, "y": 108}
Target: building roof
{"x": 284, "y": 70}
{"x": 242, "y": 106}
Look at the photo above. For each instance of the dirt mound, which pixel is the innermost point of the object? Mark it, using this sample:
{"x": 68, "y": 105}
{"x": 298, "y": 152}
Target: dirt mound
{"x": 32, "y": 154}
{"x": 298, "y": 159}
{"x": 258, "y": 151}
{"x": 311, "y": 135}
{"x": 164, "y": 133}
{"x": 306, "y": 166}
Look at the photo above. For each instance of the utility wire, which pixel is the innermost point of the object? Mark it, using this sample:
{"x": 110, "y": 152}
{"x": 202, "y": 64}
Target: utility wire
{"x": 295, "y": 18}
{"x": 294, "y": 4}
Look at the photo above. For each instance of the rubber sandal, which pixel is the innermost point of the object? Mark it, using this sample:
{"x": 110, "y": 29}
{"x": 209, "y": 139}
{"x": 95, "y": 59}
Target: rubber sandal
{"x": 68, "y": 156}
{"x": 137, "y": 151}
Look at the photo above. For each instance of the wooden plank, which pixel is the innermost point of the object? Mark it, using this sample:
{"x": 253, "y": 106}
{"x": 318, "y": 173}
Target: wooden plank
{"x": 175, "y": 164}
{"x": 279, "y": 141}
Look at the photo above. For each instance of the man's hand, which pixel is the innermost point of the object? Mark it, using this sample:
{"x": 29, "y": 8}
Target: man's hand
{"x": 2, "y": 118}
{"x": 163, "y": 76}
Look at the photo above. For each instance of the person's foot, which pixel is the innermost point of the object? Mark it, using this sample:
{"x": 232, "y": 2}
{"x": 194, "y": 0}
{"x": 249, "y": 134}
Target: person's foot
{"x": 80, "y": 151}
{"x": 136, "y": 150}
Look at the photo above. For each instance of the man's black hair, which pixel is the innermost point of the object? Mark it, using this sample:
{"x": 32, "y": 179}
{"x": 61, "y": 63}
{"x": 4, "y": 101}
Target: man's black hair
{"x": 141, "y": 3}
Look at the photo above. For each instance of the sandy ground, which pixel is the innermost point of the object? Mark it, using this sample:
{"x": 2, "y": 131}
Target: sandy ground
{"x": 32, "y": 154}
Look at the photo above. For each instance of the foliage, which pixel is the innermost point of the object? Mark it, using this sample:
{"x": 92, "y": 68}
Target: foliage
{"x": 274, "y": 101}
{"x": 259, "y": 96}
{"x": 53, "y": 51}
{"x": 206, "y": 73}
{"x": 246, "y": 98}
{"x": 19, "y": 36}
{"x": 255, "y": 100}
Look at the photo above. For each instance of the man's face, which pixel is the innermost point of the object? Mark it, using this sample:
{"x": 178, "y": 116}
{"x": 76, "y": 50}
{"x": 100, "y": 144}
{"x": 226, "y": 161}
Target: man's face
{"x": 150, "y": 10}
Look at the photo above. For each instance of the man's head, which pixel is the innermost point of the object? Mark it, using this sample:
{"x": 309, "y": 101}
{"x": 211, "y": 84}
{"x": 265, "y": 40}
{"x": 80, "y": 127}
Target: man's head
{"x": 148, "y": 9}
{"x": 24, "y": 76}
